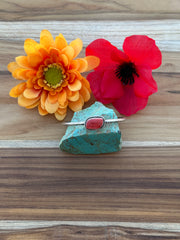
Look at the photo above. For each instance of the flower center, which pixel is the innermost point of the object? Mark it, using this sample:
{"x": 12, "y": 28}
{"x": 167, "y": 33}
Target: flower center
{"x": 54, "y": 75}
{"x": 126, "y": 72}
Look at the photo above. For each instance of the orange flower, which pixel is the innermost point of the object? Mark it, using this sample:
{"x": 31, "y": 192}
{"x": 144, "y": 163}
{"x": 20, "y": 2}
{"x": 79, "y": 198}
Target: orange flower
{"x": 52, "y": 77}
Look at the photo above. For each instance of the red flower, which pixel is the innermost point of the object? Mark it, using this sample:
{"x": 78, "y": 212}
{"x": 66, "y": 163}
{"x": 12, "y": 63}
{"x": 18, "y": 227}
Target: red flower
{"x": 124, "y": 78}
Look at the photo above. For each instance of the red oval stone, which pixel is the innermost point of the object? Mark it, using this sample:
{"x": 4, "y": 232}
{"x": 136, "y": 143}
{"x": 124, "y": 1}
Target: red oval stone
{"x": 94, "y": 123}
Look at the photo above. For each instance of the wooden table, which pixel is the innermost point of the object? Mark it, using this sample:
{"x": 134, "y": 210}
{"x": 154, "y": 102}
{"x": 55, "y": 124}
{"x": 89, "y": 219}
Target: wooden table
{"x": 132, "y": 194}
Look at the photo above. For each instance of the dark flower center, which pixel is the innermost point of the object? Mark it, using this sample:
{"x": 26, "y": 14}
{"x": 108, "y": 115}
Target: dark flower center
{"x": 125, "y": 72}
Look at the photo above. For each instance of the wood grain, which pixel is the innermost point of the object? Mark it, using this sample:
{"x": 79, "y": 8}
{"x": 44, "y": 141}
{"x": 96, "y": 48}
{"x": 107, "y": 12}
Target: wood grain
{"x": 165, "y": 32}
{"x": 134, "y": 185}
{"x": 89, "y": 233}
{"x": 91, "y": 10}
{"x": 21, "y": 225}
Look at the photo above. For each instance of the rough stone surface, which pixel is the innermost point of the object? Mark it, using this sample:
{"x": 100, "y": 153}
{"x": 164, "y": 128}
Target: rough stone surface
{"x": 79, "y": 140}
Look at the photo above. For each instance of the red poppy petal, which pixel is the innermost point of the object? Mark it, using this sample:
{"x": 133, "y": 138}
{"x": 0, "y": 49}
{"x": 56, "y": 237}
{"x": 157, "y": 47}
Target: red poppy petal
{"x": 129, "y": 103}
{"x": 102, "y": 49}
{"x": 111, "y": 86}
{"x": 143, "y": 89}
{"x": 146, "y": 74}
{"x": 119, "y": 56}
{"x": 142, "y": 50}
{"x": 94, "y": 79}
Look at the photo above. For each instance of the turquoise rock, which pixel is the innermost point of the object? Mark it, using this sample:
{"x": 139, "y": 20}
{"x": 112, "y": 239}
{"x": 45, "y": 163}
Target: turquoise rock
{"x": 79, "y": 140}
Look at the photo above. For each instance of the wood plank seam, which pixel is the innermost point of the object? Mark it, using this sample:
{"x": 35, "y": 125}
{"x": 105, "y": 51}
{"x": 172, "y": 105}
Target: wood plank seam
{"x": 55, "y": 144}
{"x": 25, "y": 224}
{"x": 114, "y": 31}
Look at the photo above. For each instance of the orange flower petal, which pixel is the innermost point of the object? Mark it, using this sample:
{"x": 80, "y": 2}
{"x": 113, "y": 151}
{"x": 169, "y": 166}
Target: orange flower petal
{"x": 62, "y": 97}
{"x": 24, "y": 102}
{"x": 64, "y": 60}
{"x": 51, "y": 107}
{"x": 61, "y": 36}
{"x": 42, "y": 112}
{"x": 12, "y": 66}
{"x": 34, "y": 60}
{"x": 75, "y": 86}
{"x": 74, "y": 64}
{"x": 64, "y": 84}
{"x": 62, "y": 111}
{"x": 52, "y": 98}
{"x": 59, "y": 117}
{"x": 47, "y": 88}
{"x": 31, "y": 46}
{"x": 53, "y": 92}
{"x": 93, "y": 62}
{"x": 31, "y": 93}
{"x": 30, "y": 74}
{"x": 17, "y": 90}
{"x": 77, "y": 105}
{"x": 33, "y": 105}
{"x": 23, "y": 62}
{"x": 85, "y": 93}
{"x": 48, "y": 61}
{"x": 41, "y": 82}
{"x": 78, "y": 75}
{"x": 72, "y": 77}
{"x": 77, "y": 45}
{"x": 44, "y": 96}
{"x": 83, "y": 65}
{"x": 69, "y": 92}
{"x": 44, "y": 53}
{"x": 21, "y": 74}
{"x": 46, "y": 39}
{"x": 60, "y": 43}
{"x": 37, "y": 87}
{"x": 74, "y": 96}
{"x": 16, "y": 72}
{"x": 69, "y": 52}
{"x": 40, "y": 73}
{"x": 54, "y": 53}
{"x": 30, "y": 83}
{"x": 13, "y": 92}
{"x": 85, "y": 82}
{"x": 64, "y": 105}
